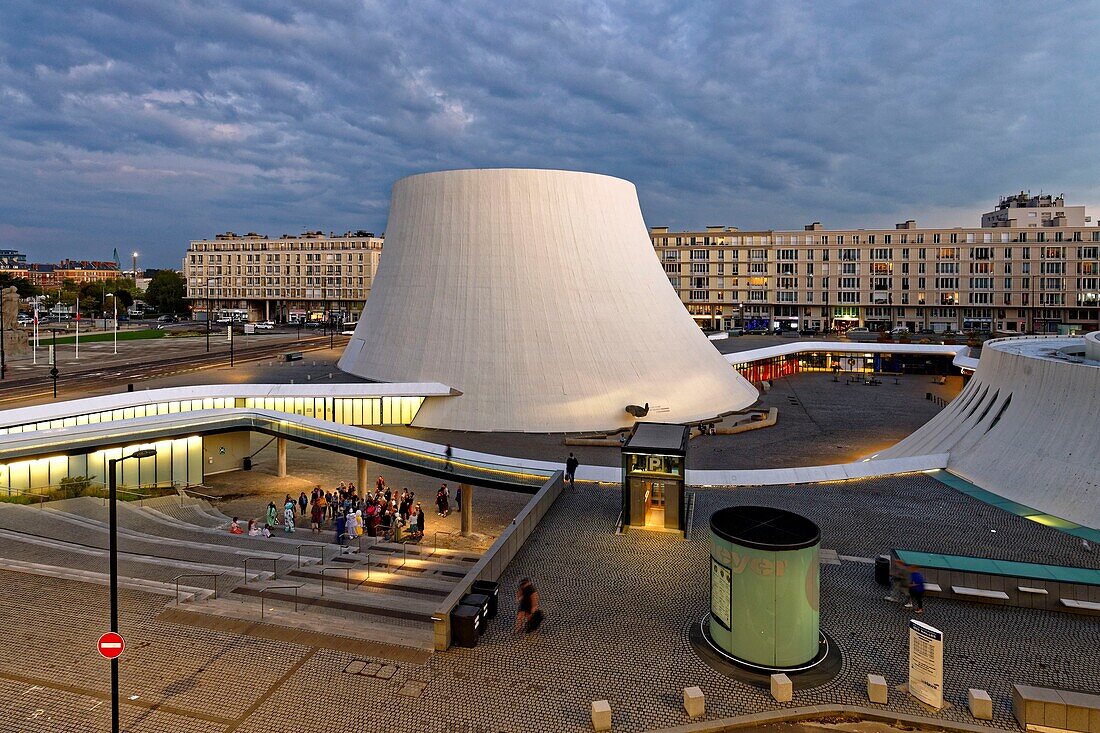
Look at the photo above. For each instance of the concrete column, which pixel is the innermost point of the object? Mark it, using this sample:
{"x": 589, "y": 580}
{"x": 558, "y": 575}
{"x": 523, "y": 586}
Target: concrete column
{"x": 361, "y": 475}
{"x": 467, "y": 509}
{"x": 280, "y": 444}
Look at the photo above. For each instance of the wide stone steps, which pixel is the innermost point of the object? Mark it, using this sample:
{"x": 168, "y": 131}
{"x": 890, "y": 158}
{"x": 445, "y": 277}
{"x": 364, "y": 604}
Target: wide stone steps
{"x": 360, "y": 577}
{"x": 321, "y": 627}
{"x": 366, "y": 602}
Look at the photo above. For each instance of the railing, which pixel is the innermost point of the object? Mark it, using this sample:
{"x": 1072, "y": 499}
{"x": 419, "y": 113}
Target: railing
{"x": 321, "y": 548}
{"x": 359, "y": 537}
{"x": 690, "y": 516}
{"x": 274, "y": 566}
{"x": 215, "y": 576}
{"x": 435, "y": 542}
{"x": 185, "y": 493}
{"x": 260, "y": 595}
{"x": 347, "y": 577}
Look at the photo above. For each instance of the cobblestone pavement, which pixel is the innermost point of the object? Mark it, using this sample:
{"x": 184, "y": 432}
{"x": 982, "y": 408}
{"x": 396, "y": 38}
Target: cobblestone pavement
{"x": 619, "y": 609}
{"x": 172, "y": 678}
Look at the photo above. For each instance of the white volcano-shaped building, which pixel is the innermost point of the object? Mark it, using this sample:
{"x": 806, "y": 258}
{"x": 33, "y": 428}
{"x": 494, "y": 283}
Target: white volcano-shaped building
{"x": 537, "y": 295}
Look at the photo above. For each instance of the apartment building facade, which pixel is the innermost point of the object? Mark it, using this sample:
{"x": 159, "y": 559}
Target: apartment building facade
{"x": 306, "y": 278}
{"x": 1025, "y": 279}
{"x": 50, "y": 276}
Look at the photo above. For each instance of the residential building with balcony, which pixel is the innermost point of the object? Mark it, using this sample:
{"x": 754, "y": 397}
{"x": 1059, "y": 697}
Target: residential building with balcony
{"x": 309, "y": 277}
{"x": 1043, "y": 279}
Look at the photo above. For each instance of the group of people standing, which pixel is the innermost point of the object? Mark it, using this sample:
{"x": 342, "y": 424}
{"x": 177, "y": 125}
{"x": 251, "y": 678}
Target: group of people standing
{"x": 385, "y": 513}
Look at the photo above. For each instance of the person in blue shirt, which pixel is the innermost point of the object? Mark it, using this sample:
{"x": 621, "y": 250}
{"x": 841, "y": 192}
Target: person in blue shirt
{"x": 916, "y": 590}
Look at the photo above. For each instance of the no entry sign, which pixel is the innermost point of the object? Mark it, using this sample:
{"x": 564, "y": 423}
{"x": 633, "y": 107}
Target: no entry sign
{"x": 110, "y": 645}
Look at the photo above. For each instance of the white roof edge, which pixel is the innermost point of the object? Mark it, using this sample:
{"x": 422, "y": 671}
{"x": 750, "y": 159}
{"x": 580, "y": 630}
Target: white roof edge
{"x": 843, "y": 347}
{"x": 68, "y": 408}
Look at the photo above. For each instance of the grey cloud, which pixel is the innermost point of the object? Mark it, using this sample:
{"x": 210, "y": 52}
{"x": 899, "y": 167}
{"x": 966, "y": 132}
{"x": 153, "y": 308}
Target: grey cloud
{"x": 154, "y": 123}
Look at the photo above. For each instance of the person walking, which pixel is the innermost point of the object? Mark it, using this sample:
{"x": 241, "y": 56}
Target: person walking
{"x": 448, "y": 454}
{"x": 288, "y": 515}
{"x": 419, "y": 518}
{"x": 458, "y": 498}
{"x": 528, "y": 615}
{"x": 916, "y": 590}
{"x": 571, "y": 465}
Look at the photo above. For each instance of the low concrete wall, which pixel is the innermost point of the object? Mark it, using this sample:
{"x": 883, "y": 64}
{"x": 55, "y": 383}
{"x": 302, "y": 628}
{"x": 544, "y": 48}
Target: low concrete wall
{"x": 225, "y": 451}
{"x": 1092, "y": 346}
{"x": 492, "y": 564}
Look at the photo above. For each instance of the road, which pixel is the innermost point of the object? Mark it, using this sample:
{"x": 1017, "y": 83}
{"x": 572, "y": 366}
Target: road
{"x": 92, "y": 376}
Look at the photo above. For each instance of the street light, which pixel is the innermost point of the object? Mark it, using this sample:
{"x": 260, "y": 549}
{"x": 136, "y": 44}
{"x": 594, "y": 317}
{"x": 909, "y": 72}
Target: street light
{"x": 112, "y": 490}
{"x": 54, "y": 372}
{"x": 114, "y": 302}
{"x": 208, "y": 281}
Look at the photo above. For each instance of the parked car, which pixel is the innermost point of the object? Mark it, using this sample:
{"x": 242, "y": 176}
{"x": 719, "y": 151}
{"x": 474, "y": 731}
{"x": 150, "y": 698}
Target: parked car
{"x": 265, "y": 325}
{"x": 898, "y": 331}
{"x": 736, "y": 331}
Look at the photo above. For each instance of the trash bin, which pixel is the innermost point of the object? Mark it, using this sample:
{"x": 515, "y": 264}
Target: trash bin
{"x": 480, "y": 601}
{"x": 248, "y": 463}
{"x": 465, "y": 625}
{"x": 490, "y": 589}
{"x": 882, "y": 570}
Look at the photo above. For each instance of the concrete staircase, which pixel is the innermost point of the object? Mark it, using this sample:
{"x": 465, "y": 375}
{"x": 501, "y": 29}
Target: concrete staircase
{"x": 374, "y": 597}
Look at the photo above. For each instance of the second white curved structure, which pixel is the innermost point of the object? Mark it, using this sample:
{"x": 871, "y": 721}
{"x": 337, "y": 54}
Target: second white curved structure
{"x": 537, "y": 295}
{"x": 1026, "y": 427}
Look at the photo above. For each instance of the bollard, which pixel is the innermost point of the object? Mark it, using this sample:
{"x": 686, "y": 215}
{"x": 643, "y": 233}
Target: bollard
{"x": 695, "y": 704}
{"x": 601, "y": 715}
{"x": 877, "y": 691}
{"x": 981, "y": 705}
{"x": 781, "y": 688}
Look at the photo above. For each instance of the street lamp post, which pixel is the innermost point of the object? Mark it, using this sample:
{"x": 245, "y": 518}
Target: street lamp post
{"x": 114, "y": 303}
{"x": 54, "y": 372}
{"x": 112, "y": 484}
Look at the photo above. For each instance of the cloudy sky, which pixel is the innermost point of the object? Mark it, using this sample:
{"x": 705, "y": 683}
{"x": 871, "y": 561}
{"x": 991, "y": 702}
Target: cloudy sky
{"x": 141, "y": 125}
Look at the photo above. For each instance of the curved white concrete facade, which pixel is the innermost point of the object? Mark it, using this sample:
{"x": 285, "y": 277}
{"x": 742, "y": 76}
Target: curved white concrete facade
{"x": 537, "y": 295}
{"x": 1026, "y": 427}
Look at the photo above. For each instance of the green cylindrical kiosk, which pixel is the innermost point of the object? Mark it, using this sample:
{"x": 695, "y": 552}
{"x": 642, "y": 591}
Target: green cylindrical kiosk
{"x": 764, "y": 586}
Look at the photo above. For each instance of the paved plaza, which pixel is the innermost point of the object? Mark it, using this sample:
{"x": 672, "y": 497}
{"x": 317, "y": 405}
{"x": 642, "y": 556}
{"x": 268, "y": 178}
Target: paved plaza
{"x": 619, "y": 611}
{"x": 820, "y": 422}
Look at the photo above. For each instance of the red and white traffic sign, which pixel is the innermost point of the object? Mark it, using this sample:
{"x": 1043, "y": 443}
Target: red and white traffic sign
{"x": 110, "y": 645}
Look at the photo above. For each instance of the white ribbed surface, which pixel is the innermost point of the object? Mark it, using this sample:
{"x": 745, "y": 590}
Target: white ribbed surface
{"x": 1040, "y": 448}
{"x": 537, "y": 294}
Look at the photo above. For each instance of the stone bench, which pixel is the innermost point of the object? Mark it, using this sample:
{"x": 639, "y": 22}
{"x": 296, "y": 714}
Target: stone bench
{"x": 1033, "y": 591}
{"x": 979, "y": 592}
{"x": 1045, "y": 707}
{"x": 1082, "y": 605}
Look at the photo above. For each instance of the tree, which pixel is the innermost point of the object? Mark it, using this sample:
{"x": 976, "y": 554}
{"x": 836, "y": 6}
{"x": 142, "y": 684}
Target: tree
{"x": 24, "y": 286}
{"x": 166, "y": 292}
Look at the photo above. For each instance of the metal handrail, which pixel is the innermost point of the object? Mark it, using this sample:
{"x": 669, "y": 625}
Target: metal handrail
{"x": 435, "y": 544}
{"x": 215, "y": 576}
{"x": 319, "y": 547}
{"x": 260, "y": 595}
{"x": 348, "y": 534}
{"x": 274, "y": 566}
{"x": 347, "y": 577}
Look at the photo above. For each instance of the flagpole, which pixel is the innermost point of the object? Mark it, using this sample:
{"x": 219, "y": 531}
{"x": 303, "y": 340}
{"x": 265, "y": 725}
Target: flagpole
{"x": 34, "y": 351}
